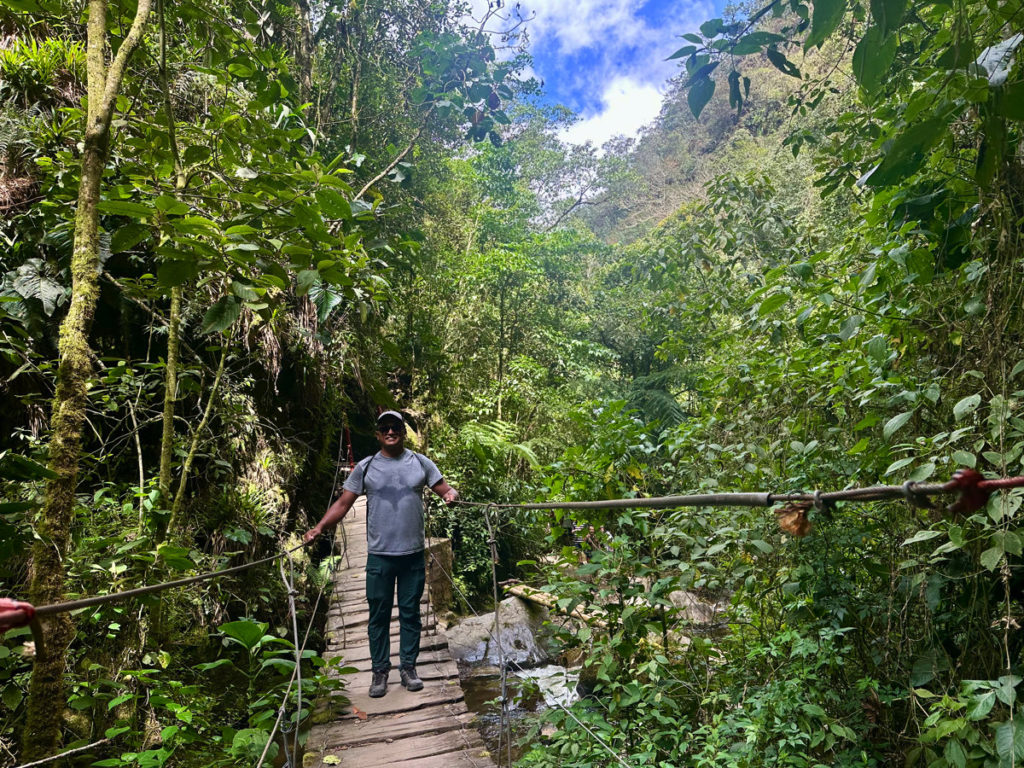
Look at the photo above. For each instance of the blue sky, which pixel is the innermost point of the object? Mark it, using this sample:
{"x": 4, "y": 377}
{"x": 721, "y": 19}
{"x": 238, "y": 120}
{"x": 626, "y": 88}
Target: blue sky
{"x": 605, "y": 59}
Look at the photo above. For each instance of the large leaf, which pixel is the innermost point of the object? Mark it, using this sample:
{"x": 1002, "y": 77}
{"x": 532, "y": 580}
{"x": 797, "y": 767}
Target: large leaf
{"x": 700, "y": 94}
{"x": 906, "y": 152}
{"x": 893, "y": 425}
{"x": 873, "y": 58}
{"x": 128, "y": 236}
{"x": 887, "y": 14}
{"x": 14, "y": 466}
{"x": 31, "y": 283}
{"x": 755, "y": 42}
{"x": 1010, "y": 742}
{"x": 176, "y": 272}
{"x": 125, "y": 208}
{"x": 966, "y": 406}
{"x": 826, "y": 17}
{"x": 333, "y": 205}
{"x": 246, "y": 633}
{"x": 222, "y": 314}
{"x": 781, "y": 63}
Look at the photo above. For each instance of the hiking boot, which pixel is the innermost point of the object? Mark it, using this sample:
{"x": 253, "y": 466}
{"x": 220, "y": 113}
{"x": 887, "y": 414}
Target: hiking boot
{"x": 410, "y": 679}
{"x": 379, "y": 686}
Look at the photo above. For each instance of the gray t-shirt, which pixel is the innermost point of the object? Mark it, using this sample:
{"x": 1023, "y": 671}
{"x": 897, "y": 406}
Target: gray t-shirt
{"x": 394, "y": 505}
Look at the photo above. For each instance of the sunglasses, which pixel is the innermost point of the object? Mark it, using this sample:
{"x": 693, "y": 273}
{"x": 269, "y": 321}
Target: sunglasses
{"x": 386, "y": 428}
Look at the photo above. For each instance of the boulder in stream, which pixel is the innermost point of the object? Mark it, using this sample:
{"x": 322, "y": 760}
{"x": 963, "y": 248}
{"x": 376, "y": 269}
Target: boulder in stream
{"x": 521, "y": 632}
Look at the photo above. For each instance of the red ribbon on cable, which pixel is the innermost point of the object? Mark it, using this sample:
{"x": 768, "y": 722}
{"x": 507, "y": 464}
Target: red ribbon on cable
{"x": 14, "y": 614}
{"x": 975, "y": 489}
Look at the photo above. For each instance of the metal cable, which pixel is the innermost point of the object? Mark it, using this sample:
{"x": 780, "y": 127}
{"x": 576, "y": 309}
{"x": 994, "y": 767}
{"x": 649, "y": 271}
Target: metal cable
{"x": 87, "y": 602}
{"x": 760, "y": 499}
{"x": 62, "y": 755}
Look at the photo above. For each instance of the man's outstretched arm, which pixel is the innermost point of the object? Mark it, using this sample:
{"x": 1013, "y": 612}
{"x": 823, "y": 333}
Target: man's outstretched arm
{"x": 445, "y": 491}
{"x": 333, "y": 516}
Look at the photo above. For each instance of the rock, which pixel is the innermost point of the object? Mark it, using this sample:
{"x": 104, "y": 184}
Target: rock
{"x": 522, "y": 636}
{"x": 694, "y": 609}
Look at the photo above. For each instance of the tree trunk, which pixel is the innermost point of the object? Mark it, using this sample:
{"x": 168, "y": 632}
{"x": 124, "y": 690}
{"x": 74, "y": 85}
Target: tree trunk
{"x": 170, "y": 393}
{"x": 174, "y": 320}
{"x": 45, "y": 708}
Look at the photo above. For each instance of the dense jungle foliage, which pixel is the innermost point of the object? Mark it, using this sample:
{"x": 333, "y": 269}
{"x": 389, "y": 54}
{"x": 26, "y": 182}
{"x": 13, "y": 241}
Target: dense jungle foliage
{"x": 232, "y": 232}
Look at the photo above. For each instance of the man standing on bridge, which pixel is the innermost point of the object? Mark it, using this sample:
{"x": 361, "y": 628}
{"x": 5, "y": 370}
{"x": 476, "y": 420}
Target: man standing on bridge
{"x": 393, "y": 480}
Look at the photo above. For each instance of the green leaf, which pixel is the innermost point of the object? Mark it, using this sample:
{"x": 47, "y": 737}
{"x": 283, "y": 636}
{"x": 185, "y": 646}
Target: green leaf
{"x": 850, "y": 327}
{"x": 894, "y": 424}
{"x": 173, "y": 273}
{"x": 824, "y": 20}
{"x": 872, "y": 59}
{"x": 125, "y": 208}
{"x": 772, "y": 303}
{"x": 222, "y": 314}
{"x": 699, "y": 94}
{"x": 22, "y": 6}
{"x": 997, "y": 59}
{"x": 923, "y": 472}
{"x": 921, "y": 536}
{"x": 196, "y": 154}
{"x": 241, "y": 71}
{"x": 14, "y": 466}
{"x": 128, "y": 236}
{"x": 333, "y": 205}
{"x": 781, "y": 63}
{"x": 859, "y": 447}
{"x": 991, "y": 558}
{"x": 245, "y": 632}
{"x": 888, "y": 14}
{"x": 965, "y": 459}
{"x": 966, "y": 406}
{"x": 1010, "y": 741}
{"x": 954, "y": 754}
{"x": 711, "y": 27}
{"x": 120, "y": 700}
{"x": 878, "y": 348}
{"x": 980, "y": 705}
{"x": 686, "y": 50}
{"x": 171, "y": 206}
{"x": 755, "y": 42}
{"x": 305, "y": 280}
{"x": 898, "y": 465}
{"x": 906, "y": 152}
{"x": 243, "y": 291}
{"x": 1007, "y": 690}
{"x": 175, "y": 557}
{"x": 11, "y": 696}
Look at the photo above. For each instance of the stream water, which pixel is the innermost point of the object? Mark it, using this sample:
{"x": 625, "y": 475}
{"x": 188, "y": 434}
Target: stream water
{"x": 530, "y": 692}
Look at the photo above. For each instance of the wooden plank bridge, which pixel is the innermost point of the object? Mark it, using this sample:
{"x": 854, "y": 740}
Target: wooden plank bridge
{"x": 428, "y": 729}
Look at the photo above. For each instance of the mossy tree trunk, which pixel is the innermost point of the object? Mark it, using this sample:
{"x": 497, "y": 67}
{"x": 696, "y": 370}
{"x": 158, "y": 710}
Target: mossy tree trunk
{"x": 174, "y": 319}
{"x": 46, "y": 698}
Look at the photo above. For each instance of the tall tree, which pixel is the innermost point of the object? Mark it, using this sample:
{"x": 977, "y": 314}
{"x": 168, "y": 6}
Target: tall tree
{"x": 42, "y": 728}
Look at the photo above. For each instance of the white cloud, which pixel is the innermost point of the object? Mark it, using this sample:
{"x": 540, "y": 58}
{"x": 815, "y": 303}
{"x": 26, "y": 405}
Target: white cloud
{"x": 627, "y": 105}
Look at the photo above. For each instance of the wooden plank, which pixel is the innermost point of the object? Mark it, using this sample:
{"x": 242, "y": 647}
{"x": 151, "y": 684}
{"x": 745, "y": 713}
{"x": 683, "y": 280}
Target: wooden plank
{"x": 358, "y": 648}
{"x": 357, "y": 733}
{"x": 428, "y": 673}
{"x": 400, "y": 700}
{"x": 452, "y": 744}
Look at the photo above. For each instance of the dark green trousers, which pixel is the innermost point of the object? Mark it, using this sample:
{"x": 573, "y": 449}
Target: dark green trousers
{"x": 385, "y": 573}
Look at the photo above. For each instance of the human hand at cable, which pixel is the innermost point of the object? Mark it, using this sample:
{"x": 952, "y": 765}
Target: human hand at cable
{"x": 311, "y": 534}
{"x": 450, "y": 496}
